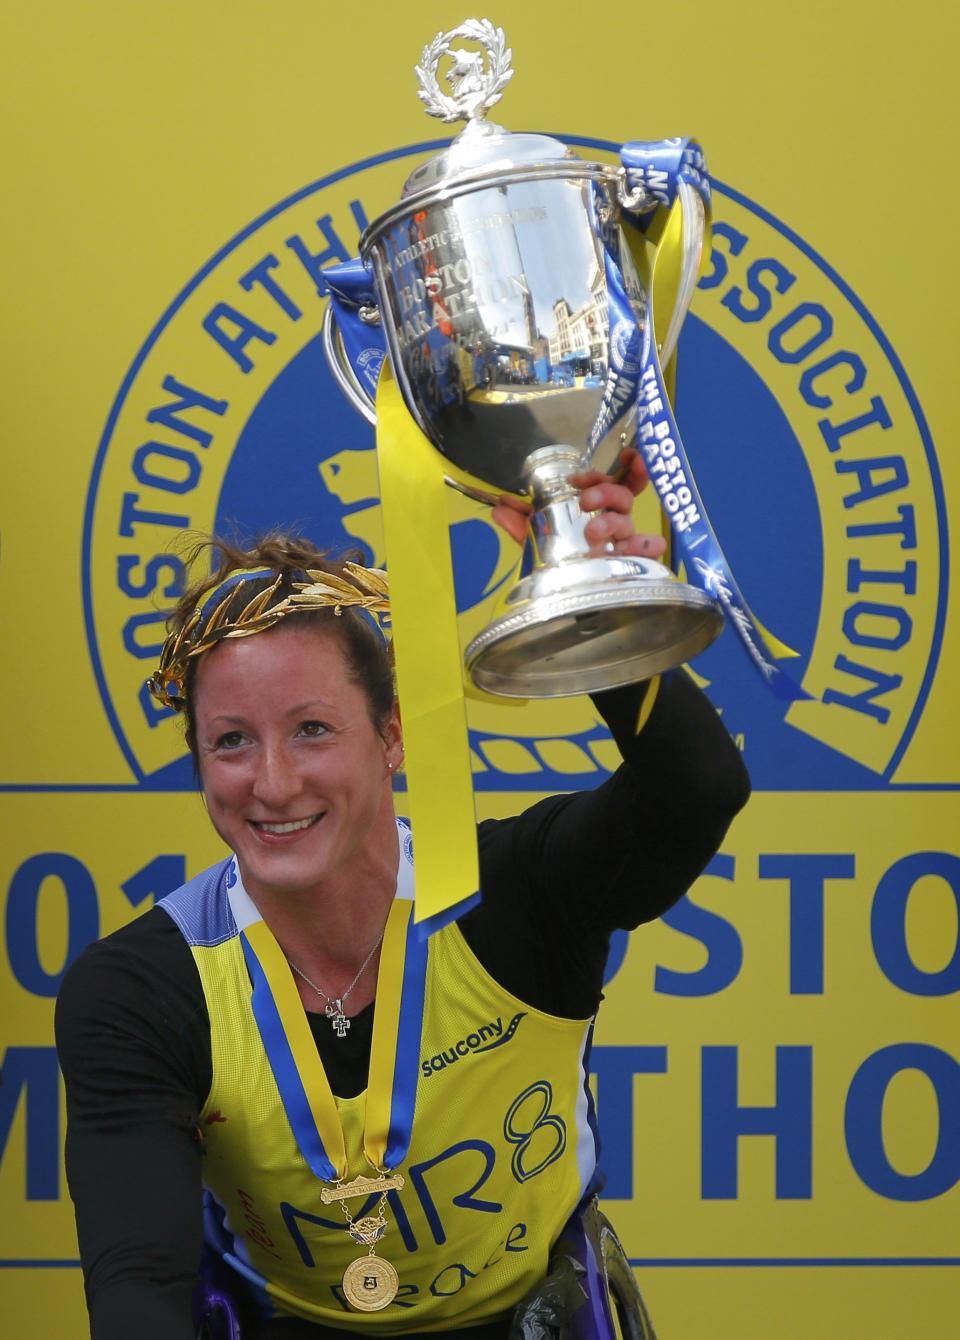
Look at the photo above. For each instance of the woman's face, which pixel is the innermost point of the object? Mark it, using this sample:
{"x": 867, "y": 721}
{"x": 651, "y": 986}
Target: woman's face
{"x": 294, "y": 771}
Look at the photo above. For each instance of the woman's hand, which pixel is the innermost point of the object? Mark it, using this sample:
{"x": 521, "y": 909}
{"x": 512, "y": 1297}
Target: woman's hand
{"x": 611, "y": 497}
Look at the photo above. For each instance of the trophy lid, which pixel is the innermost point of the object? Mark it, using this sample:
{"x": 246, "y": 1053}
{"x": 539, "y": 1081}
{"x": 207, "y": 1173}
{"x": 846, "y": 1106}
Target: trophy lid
{"x": 482, "y": 146}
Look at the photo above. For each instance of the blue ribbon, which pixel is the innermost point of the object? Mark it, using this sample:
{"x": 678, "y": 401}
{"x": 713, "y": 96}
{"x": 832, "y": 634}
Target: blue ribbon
{"x": 660, "y": 167}
{"x": 351, "y": 287}
{"x": 217, "y": 595}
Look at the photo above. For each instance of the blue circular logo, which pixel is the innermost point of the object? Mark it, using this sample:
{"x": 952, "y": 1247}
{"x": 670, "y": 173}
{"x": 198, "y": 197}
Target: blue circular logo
{"x": 805, "y": 435}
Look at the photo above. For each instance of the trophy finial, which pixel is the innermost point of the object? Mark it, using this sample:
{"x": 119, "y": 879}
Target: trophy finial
{"x": 473, "y": 89}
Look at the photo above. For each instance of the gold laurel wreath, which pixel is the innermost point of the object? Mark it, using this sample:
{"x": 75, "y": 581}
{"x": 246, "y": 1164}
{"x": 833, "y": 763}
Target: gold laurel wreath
{"x": 499, "y": 74}
{"x": 368, "y": 590}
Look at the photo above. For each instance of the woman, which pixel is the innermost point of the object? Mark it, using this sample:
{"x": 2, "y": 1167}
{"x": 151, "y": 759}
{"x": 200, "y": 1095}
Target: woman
{"x": 426, "y": 1195}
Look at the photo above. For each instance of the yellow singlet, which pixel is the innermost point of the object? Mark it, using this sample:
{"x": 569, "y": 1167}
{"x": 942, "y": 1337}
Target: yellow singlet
{"x": 501, "y": 1151}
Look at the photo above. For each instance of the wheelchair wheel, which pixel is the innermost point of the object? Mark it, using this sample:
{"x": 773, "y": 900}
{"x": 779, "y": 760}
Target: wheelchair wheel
{"x": 629, "y": 1310}
{"x": 219, "y": 1324}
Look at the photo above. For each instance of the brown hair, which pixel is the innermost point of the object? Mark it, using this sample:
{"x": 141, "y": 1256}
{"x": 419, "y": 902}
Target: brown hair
{"x": 287, "y": 557}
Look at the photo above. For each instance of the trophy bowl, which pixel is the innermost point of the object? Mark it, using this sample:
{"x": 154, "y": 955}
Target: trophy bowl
{"x": 514, "y": 317}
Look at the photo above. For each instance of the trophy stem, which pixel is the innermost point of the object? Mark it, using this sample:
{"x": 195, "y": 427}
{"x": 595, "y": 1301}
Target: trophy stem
{"x": 557, "y": 524}
{"x": 580, "y": 622}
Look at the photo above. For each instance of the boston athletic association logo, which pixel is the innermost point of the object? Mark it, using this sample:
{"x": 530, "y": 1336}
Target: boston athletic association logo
{"x": 807, "y": 440}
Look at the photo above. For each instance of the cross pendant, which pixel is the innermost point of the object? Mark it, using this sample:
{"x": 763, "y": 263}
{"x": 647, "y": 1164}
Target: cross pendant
{"x": 335, "y": 1014}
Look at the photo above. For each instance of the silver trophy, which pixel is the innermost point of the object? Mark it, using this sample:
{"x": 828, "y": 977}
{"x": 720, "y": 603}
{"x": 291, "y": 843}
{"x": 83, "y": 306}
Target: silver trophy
{"x": 514, "y": 316}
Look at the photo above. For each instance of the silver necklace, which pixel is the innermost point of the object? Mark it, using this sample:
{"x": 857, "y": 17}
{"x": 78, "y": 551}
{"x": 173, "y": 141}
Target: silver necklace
{"x": 333, "y": 1008}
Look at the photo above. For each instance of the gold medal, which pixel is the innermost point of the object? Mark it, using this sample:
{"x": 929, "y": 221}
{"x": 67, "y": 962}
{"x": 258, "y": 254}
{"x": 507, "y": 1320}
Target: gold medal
{"x": 370, "y": 1283}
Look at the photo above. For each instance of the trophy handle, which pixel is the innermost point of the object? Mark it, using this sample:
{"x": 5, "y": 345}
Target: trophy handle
{"x": 693, "y": 218}
{"x": 343, "y": 373}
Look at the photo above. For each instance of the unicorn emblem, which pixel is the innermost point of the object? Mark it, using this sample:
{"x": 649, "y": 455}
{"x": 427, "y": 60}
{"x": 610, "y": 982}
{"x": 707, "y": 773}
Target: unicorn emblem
{"x": 466, "y": 77}
{"x": 475, "y": 88}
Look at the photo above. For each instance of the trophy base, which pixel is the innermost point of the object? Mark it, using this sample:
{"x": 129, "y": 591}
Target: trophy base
{"x": 590, "y": 624}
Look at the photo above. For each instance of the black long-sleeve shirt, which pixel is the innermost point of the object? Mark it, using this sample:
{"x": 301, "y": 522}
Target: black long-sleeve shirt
{"x": 556, "y": 881}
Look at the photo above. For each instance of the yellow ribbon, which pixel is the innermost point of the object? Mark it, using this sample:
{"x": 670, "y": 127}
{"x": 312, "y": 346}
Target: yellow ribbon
{"x": 428, "y": 657}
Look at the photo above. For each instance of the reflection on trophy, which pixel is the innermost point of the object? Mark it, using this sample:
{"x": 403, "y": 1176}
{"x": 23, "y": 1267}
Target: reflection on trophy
{"x": 515, "y": 320}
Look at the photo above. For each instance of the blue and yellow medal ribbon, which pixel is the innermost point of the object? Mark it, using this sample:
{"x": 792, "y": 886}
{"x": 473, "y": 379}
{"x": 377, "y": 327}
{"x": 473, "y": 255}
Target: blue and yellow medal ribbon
{"x": 292, "y": 1052}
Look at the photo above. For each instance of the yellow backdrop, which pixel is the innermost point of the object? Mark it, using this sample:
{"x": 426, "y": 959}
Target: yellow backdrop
{"x": 777, "y": 1083}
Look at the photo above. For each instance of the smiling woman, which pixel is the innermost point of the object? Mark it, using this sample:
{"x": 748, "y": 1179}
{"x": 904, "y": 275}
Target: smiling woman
{"x": 295, "y": 739}
{"x": 290, "y": 760}
{"x": 263, "y": 1070}
{"x": 297, "y": 778}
